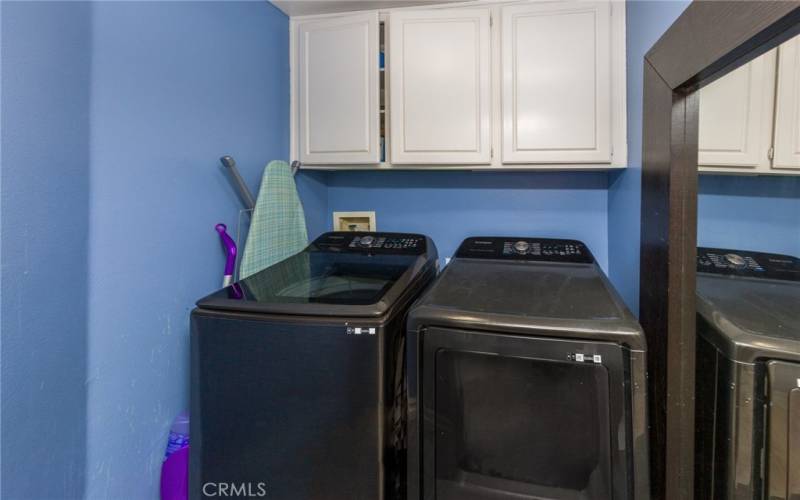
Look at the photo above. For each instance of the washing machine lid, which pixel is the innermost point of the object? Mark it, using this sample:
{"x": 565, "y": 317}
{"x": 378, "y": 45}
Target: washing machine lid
{"x": 339, "y": 274}
{"x": 527, "y": 285}
{"x": 751, "y": 301}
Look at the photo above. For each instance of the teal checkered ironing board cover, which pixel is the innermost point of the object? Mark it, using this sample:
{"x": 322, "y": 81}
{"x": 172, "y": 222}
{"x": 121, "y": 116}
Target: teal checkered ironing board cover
{"x": 278, "y": 224}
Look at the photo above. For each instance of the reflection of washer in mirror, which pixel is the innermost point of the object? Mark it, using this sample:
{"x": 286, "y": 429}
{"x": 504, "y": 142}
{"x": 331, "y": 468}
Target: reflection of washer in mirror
{"x": 748, "y": 366}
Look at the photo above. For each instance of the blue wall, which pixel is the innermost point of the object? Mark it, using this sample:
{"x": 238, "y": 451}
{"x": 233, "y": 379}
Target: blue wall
{"x": 646, "y": 21}
{"x": 45, "y": 225}
{"x": 174, "y": 85}
{"x": 749, "y": 213}
{"x": 449, "y": 206}
{"x": 114, "y": 115}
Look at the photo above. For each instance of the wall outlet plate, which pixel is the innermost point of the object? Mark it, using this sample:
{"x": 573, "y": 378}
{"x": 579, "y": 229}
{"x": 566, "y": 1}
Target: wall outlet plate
{"x": 354, "y": 221}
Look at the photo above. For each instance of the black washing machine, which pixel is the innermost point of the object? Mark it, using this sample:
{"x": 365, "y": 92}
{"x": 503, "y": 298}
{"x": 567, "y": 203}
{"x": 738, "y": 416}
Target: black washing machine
{"x": 526, "y": 378}
{"x": 748, "y": 375}
{"x": 297, "y": 373}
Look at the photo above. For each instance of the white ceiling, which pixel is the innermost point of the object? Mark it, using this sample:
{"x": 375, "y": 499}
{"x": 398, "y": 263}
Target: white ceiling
{"x": 308, "y": 7}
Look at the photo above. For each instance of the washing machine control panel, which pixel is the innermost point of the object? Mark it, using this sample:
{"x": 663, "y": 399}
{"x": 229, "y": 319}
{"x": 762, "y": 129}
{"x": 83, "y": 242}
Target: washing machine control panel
{"x": 748, "y": 264}
{"x": 525, "y": 249}
{"x": 386, "y": 243}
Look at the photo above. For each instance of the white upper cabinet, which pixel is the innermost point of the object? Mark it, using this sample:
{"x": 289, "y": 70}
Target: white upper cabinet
{"x": 511, "y": 84}
{"x": 736, "y": 117}
{"x": 556, "y": 83}
{"x": 787, "y": 118}
{"x": 337, "y": 80}
{"x": 440, "y": 87}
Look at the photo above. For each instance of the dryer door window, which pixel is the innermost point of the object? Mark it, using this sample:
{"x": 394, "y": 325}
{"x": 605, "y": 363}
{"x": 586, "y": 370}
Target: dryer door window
{"x": 521, "y": 417}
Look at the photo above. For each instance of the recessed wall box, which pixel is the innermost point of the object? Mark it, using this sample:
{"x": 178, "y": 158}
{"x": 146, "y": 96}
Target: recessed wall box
{"x": 354, "y": 221}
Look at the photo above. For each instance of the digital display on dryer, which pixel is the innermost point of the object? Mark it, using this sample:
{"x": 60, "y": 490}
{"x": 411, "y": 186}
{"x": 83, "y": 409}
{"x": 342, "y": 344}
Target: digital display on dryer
{"x": 525, "y": 249}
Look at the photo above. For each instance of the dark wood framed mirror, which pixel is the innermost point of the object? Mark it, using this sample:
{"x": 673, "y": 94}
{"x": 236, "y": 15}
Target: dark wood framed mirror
{"x": 709, "y": 40}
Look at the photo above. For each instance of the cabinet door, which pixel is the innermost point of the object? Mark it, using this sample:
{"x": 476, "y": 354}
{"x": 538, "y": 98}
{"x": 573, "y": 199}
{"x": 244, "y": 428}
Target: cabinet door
{"x": 338, "y": 90}
{"x": 736, "y": 118}
{"x": 556, "y": 81}
{"x": 440, "y": 90}
{"x": 787, "y": 118}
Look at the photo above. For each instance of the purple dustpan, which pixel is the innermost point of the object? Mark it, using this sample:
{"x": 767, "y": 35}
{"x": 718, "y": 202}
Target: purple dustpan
{"x": 175, "y": 476}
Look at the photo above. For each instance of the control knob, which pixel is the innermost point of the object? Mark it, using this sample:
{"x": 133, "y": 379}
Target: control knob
{"x": 521, "y": 247}
{"x": 736, "y": 260}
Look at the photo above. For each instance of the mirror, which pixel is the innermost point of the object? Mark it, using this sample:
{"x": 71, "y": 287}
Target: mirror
{"x": 747, "y": 400}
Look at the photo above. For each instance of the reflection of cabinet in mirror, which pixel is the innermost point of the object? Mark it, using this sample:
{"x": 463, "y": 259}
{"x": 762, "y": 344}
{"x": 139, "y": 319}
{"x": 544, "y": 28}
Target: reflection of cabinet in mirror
{"x": 736, "y": 118}
{"x": 787, "y": 111}
{"x": 750, "y": 118}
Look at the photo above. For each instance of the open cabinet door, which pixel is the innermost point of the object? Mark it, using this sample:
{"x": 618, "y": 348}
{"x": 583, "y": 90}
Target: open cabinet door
{"x": 338, "y": 61}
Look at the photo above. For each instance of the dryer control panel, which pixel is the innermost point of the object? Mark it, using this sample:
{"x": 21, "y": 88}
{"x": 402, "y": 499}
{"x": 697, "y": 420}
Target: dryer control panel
{"x": 748, "y": 264}
{"x": 525, "y": 249}
{"x": 385, "y": 243}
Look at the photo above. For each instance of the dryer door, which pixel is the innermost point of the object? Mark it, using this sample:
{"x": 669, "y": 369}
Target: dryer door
{"x": 783, "y": 426}
{"x": 519, "y": 417}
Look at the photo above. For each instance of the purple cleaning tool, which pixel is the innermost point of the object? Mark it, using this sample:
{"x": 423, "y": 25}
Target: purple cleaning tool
{"x": 175, "y": 476}
{"x": 230, "y": 253}
{"x": 175, "y": 469}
